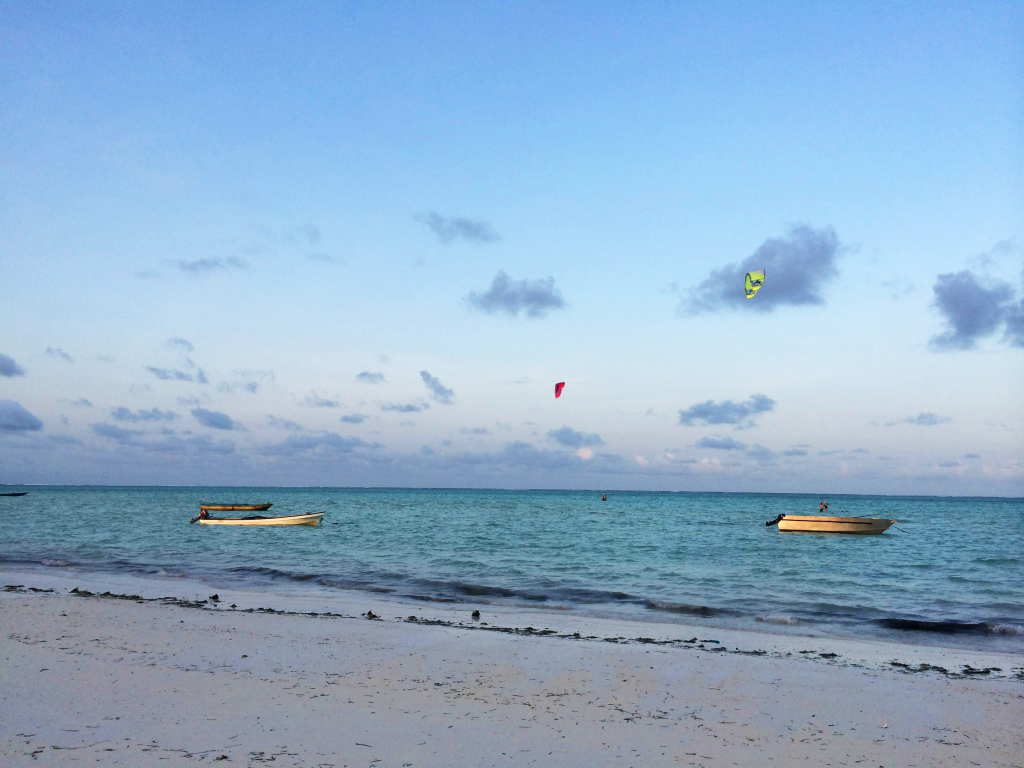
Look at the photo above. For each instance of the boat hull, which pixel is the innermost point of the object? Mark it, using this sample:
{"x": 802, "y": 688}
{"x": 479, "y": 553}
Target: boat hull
{"x": 310, "y": 519}
{"x": 854, "y": 525}
{"x": 235, "y": 507}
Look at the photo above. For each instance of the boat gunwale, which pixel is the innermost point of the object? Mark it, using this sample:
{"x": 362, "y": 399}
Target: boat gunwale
{"x": 212, "y": 507}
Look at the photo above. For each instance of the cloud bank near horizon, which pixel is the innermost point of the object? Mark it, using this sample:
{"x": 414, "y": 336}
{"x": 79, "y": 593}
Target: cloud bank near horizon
{"x": 924, "y": 419}
{"x": 570, "y": 438}
{"x": 215, "y": 419}
{"x": 15, "y": 419}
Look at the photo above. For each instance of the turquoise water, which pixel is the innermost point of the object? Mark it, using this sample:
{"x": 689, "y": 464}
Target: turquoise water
{"x": 953, "y": 574}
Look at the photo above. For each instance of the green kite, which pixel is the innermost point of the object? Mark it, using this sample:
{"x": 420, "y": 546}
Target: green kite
{"x": 753, "y": 282}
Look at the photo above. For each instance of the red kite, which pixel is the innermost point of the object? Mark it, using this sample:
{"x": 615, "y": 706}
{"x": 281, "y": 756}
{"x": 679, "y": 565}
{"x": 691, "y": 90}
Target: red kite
{"x": 558, "y": 388}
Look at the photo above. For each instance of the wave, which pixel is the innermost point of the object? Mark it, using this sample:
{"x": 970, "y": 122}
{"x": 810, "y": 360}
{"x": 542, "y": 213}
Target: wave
{"x": 273, "y": 573}
{"x": 580, "y": 595}
{"x": 462, "y": 589}
{"x": 952, "y": 627}
{"x": 942, "y": 627}
{"x": 1006, "y": 629}
{"x": 431, "y": 598}
{"x": 482, "y": 590}
{"x": 995, "y": 619}
{"x": 447, "y": 591}
{"x": 22, "y": 561}
{"x": 685, "y": 609}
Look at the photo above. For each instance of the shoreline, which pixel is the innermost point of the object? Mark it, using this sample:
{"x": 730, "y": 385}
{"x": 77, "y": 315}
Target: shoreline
{"x": 169, "y": 679}
{"x": 651, "y": 558}
{"x": 531, "y": 621}
{"x": 64, "y": 576}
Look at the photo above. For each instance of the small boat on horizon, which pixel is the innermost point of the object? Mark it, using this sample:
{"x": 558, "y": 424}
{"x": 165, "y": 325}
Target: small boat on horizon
{"x": 310, "y": 518}
{"x": 234, "y": 507}
{"x": 22, "y": 493}
{"x": 822, "y": 524}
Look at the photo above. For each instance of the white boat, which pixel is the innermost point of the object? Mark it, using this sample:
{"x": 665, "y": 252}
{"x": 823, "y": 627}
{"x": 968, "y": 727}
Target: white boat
{"x": 312, "y": 518}
{"x": 818, "y": 524}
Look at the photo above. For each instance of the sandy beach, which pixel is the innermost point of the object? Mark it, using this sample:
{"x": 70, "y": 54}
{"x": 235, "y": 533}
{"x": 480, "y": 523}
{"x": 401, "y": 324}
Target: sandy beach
{"x": 164, "y": 676}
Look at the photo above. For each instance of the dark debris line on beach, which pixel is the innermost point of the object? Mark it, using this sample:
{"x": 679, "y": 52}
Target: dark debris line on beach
{"x": 211, "y": 604}
{"x": 208, "y": 604}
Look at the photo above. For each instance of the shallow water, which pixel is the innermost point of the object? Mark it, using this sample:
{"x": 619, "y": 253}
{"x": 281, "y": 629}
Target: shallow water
{"x": 952, "y": 573}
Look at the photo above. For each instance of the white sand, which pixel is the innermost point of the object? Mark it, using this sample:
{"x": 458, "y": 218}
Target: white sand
{"x": 88, "y": 680}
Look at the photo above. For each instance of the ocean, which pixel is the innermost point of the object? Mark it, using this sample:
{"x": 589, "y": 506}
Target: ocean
{"x": 951, "y": 572}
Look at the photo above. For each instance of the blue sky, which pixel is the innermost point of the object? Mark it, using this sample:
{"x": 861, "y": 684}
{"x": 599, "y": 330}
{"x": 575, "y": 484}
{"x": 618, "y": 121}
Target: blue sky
{"x": 350, "y": 244}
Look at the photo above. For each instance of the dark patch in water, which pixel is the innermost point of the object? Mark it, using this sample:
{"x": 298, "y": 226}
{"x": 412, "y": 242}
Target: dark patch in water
{"x": 274, "y": 573}
{"x": 683, "y": 608}
{"x": 941, "y": 627}
{"x": 480, "y": 590}
{"x": 429, "y": 599}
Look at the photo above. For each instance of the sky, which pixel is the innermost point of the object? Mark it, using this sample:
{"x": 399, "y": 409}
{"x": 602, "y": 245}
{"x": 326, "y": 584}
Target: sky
{"x": 351, "y": 244}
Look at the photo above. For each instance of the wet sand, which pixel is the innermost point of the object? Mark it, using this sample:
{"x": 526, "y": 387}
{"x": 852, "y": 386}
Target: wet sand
{"x": 122, "y": 680}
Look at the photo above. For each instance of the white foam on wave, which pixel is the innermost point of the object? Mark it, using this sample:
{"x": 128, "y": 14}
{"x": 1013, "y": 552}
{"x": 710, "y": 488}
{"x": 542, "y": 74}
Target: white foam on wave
{"x": 56, "y": 563}
{"x": 787, "y": 620}
{"x": 1006, "y": 629}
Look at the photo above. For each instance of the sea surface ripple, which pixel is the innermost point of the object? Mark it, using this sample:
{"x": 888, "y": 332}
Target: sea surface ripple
{"x": 951, "y": 571}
